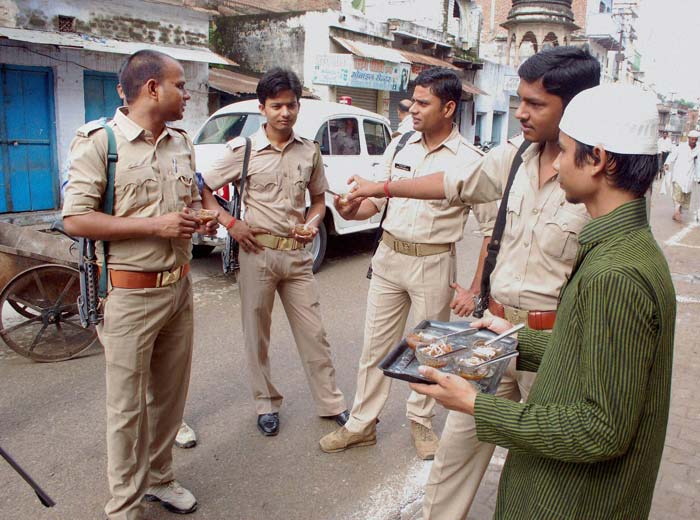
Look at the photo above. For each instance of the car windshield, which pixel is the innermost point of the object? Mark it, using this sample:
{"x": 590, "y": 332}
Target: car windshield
{"x": 221, "y": 129}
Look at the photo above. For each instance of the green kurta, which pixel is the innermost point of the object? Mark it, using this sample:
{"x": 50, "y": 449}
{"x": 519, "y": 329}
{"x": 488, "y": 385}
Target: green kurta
{"x": 587, "y": 445}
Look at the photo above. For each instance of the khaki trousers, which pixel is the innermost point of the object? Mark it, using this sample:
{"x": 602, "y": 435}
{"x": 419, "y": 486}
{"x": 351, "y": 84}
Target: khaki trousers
{"x": 399, "y": 283}
{"x": 147, "y": 336}
{"x": 461, "y": 459}
{"x": 289, "y": 274}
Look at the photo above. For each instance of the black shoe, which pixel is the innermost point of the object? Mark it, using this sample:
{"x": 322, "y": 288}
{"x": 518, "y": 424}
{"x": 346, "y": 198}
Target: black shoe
{"x": 341, "y": 418}
{"x": 269, "y": 424}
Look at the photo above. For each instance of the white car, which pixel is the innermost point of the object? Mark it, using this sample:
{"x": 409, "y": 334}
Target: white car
{"x": 352, "y": 141}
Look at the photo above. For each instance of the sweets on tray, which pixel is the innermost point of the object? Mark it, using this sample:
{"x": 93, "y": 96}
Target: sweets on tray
{"x": 468, "y": 368}
{"x": 418, "y": 339}
{"x": 486, "y": 353}
{"x": 428, "y": 354}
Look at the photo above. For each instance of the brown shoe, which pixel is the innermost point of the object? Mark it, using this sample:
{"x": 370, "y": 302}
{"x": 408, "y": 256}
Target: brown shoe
{"x": 425, "y": 440}
{"x": 342, "y": 439}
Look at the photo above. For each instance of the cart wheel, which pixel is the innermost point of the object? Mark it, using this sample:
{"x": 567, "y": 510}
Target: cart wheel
{"x": 39, "y": 314}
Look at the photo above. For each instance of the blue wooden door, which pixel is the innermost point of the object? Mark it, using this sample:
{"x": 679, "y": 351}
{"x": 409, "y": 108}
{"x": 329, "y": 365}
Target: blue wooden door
{"x": 101, "y": 98}
{"x": 28, "y": 181}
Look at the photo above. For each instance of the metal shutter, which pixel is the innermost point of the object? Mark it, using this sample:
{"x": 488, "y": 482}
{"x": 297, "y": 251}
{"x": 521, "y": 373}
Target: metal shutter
{"x": 361, "y": 97}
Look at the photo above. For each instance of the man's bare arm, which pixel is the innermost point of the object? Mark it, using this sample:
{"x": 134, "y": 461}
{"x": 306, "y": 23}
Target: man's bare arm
{"x": 240, "y": 231}
{"x": 427, "y": 187}
{"x": 318, "y": 207}
{"x": 100, "y": 226}
{"x": 463, "y": 302}
{"x": 355, "y": 209}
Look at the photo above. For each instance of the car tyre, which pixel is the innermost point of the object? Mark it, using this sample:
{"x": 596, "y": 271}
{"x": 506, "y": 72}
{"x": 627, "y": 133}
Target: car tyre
{"x": 201, "y": 251}
{"x": 318, "y": 247}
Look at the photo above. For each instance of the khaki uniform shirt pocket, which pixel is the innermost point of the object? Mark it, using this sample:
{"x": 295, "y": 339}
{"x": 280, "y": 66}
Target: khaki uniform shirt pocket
{"x": 135, "y": 191}
{"x": 559, "y": 237}
{"x": 513, "y": 211}
{"x": 264, "y": 187}
{"x": 183, "y": 189}
{"x": 301, "y": 181}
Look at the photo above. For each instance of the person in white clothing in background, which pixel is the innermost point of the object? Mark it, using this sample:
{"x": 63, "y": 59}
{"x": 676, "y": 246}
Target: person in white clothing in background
{"x": 665, "y": 146}
{"x": 683, "y": 165}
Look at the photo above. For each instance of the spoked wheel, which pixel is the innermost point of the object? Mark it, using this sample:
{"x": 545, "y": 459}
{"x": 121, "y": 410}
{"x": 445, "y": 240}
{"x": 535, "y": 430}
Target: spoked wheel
{"x": 39, "y": 314}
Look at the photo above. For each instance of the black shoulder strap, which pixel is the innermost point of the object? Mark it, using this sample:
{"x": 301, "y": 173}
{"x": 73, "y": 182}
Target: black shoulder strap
{"x": 378, "y": 235}
{"x": 236, "y": 206}
{"x": 108, "y": 203}
{"x": 495, "y": 244}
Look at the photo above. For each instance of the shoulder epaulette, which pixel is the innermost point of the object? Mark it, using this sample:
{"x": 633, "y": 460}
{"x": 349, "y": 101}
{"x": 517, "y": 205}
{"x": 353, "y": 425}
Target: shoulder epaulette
{"x": 471, "y": 146}
{"x": 90, "y": 127}
{"x": 179, "y": 130}
{"x": 236, "y": 142}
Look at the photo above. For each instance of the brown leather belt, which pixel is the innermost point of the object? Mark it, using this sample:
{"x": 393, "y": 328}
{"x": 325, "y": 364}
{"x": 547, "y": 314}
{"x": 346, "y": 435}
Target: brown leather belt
{"x": 279, "y": 243}
{"x": 538, "y": 320}
{"x": 413, "y": 249}
{"x": 140, "y": 280}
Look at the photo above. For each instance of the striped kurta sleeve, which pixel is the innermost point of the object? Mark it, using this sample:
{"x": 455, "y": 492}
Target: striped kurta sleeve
{"x": 531, "y": 347}
{"x": 620, "y": 337}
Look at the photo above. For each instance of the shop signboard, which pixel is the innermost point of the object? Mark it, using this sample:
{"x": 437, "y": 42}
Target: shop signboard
{"x": 348, "y": 70}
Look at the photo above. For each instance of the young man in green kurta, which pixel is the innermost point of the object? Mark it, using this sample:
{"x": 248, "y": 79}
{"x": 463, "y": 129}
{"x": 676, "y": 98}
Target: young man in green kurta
{"x": 588, "y": 443}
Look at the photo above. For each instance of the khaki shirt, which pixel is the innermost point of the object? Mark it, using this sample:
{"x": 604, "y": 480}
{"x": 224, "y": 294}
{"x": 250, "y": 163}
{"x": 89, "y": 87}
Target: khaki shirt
{"x": 275, "y": 191}
{"x": 540, "y": 239}
{"x": 153, "y": 177}
{"x": 430, "y": 221}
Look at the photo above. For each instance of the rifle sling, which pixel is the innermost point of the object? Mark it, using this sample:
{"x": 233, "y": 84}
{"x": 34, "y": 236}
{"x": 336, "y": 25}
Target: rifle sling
{"x": 108, "y": 203}
{"x": 236, "y": 208}
{"x": 495, "y": 244}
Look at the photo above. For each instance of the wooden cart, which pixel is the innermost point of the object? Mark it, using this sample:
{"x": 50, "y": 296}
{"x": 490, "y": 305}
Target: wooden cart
{"x": 39, "y": 288}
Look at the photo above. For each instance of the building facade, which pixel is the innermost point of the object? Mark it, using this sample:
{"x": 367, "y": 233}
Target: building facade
{"x": 59, "y": 62}
{"x": 366, "y": 57}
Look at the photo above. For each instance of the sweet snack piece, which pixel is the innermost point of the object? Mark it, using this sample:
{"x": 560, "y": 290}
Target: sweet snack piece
{"x": 468, "y": 368}
{"x": 302, "y": 231}
{"x": 428, "y": 355}
{"x": 343, "y": 200}
{"x": 205, "y": 215}
{"x": 418, "y": 339}
{"x": 486, "y": 353}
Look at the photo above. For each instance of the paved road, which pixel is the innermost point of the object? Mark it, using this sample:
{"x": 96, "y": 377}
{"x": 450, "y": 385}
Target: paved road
{"x": 52, "y": 415}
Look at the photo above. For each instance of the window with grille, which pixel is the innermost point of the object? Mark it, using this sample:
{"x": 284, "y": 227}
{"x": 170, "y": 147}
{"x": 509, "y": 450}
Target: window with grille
{"x": 66, "y": 24}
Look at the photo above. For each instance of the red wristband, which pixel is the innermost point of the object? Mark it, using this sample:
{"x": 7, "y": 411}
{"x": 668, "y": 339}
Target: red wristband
{"x": 230, "y": 224}
{"x": 386, "y": 189}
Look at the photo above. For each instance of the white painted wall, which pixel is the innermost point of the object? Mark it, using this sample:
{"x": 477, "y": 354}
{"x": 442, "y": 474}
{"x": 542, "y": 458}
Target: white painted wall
{"x": 491, "y": 79}
{"x": 427, "y": 13}
{"x": 68, "y": 66}
{"x": 169, "y": 16}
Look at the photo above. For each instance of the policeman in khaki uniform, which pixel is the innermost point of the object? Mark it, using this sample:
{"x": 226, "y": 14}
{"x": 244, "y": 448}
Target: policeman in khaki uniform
{"x": 147, "y": 331}
{"x": 283, "y": 167}
{"x": 415, "y": 263}
{"x": 538, "y": 249}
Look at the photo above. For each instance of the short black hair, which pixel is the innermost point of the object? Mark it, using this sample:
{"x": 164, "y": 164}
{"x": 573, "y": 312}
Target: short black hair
{"x": 277, "y": 80}
{"x": 565, "y": 71}
{"x": 630, "y": 173}
{"x": 443, "y": 83}
{"x": 405, "y": 105}
{"x": 138, "y": 68}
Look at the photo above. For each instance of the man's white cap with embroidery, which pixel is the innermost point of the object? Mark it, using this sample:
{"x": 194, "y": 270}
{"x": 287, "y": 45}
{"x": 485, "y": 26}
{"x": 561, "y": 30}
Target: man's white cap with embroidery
{"x": 619, "y": 118}
{"x": 694, "y": 133}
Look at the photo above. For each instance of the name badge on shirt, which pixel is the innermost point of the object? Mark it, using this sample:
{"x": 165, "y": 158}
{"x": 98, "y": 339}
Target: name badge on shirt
{"x": 402, "y": 167}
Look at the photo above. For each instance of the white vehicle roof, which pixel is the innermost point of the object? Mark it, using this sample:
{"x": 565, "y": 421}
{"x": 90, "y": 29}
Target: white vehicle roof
{"x": 311, "y": 113}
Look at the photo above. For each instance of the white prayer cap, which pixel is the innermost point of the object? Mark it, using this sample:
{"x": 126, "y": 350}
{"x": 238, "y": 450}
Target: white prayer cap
{"x": 620, "y": 118}
{"x": 693, "y": 133}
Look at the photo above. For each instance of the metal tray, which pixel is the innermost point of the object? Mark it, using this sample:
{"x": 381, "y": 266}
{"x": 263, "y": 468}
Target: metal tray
{"x": 401, "y": 362}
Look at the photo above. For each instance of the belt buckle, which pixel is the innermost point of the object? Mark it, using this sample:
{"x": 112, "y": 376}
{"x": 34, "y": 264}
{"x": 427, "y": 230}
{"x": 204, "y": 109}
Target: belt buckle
{"x": 404, "y": 247}
{"x": 170, "y": 277}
